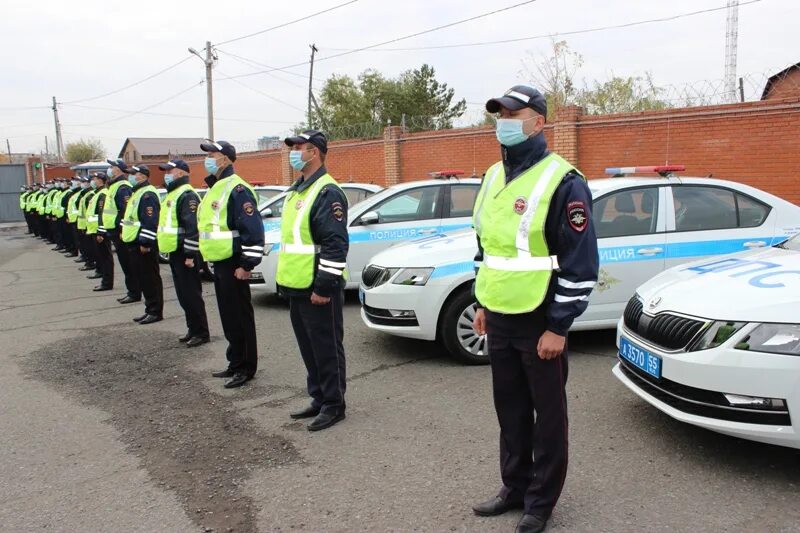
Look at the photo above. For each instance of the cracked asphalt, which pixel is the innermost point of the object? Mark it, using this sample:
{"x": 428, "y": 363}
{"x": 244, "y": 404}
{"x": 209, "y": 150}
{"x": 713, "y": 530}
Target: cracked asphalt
{"x": 110, "y": 426}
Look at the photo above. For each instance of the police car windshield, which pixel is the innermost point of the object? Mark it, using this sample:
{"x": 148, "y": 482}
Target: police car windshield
{"x": 792, "y": 244}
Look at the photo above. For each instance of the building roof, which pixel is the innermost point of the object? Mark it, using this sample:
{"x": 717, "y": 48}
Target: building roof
{"x": 777, "y": 77}
{"x": 164, "y": 146}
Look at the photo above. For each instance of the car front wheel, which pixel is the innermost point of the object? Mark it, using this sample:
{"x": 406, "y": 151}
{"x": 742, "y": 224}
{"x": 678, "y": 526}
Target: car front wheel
{"x": 457, "y": 333}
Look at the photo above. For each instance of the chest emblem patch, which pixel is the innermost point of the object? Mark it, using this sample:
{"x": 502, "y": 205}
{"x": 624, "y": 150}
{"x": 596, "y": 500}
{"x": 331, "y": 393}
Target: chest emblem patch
{"x": 520, "y": 205}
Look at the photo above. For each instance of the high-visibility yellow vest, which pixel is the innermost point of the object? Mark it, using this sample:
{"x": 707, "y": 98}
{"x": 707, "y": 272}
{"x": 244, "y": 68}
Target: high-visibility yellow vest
{"x": 92, "y": 218}
{"x": 510, "y": 221}
{"x": 32, "y": 201}
{"x": 110, "y": 211}
{"x": 41, "y": 202}
{"x": 168, "y": 229}
{"x": 50, "y": 202}
{"x": 216, "y": 238}
{"x": 83, "y": 205}
{"x": 72, "y": 207}
{"x": 297, "y": 254}
{"x": 22, "y": 199}
{"x": 130, "y": 222}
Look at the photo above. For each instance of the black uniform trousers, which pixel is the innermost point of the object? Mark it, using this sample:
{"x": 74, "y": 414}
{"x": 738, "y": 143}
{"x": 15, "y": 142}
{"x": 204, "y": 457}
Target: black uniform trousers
{"x": 88, "y": 247}
{"x": 531, "y": 404}
{"x": 74, "y": 242}
{"x": 189, "y": 289}
{"x": 320, "y": 330}
{"x": 104, "y": 261}
{"x": 146, "y": 268}
{"x": 236, "y": 315}
{"x": 123, "y": 256}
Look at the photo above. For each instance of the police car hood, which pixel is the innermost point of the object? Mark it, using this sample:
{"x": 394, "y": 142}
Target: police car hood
{"x": 753, "y": 286}
{"x": 436, "y": 250}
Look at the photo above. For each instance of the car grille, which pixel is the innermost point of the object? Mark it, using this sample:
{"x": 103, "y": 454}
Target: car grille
{"x": 700, "y": 402}
{"x": 668, "y": 331}
{"x": 372, "y": 274}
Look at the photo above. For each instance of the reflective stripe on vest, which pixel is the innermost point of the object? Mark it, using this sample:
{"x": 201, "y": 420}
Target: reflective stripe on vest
{"x": 130, "y": 222}
{"x": 168, "y": 229}
{"x": 298, "y": 250}
{"x": 92, "y": 218}
{"x": 216, "y": 239}
{"x": 82, "y": 208}
{"x": 72, "y": 207}
{"x": 110, "y": 211}
{"x": 510, "y": 220}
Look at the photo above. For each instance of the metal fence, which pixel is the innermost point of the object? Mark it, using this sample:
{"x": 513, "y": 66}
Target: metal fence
{"x": 12, "y": 177}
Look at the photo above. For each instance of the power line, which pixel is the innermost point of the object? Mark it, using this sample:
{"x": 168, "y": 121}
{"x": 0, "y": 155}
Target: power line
{"x": 548, "y": 35}
{"x": 175, "y": 115}
{"x": 253, "y": 64}
{"x": 417, "y": 34}
{"x": 262, "y": 93}
{"x": 139, "y": 82}
{"x": 283, "y": 25}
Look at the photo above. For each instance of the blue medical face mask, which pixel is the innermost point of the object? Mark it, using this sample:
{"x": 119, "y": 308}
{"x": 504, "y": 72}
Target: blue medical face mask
{"x": 211, "y": 165}
{"x": 94, "y": 184}
{"x": 132, "y": 180}
{"x": 296, "y": 159}
{"x": 168, "y": 178}
{"x": 509, "y": 131}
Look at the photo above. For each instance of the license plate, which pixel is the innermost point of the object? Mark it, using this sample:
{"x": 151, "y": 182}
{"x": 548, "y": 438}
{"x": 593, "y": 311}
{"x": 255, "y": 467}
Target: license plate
{"x": 361, "y": 295}
{"x": 639, "y": 357}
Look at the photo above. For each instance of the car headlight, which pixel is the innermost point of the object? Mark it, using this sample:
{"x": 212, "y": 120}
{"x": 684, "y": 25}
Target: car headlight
{"x": 413, "y": 276}
{"x": 718, "y": 333}
{"x": 781, "y": 339}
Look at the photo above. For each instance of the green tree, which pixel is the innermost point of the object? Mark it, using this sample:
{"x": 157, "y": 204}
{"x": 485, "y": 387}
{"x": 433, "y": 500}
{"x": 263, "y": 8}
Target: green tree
{"x": 82, "y": 151}
{"x": 622, "y": 95}
{"x": 362, "y": 107}
{"x": 554, "y": 74}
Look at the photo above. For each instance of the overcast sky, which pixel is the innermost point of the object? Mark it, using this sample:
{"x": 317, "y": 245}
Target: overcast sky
{"x": 79, "y": 50}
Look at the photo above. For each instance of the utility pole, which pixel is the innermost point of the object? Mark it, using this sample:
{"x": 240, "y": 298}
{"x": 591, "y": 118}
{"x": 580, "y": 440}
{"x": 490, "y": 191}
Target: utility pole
{"x": 46, "y": 147}
{"x": 8, "y": 145}
{"x": 209, "y": 62}
{"x": 731, "y": 50}
{"x": 59, "y": 141}
{"x": 310, "y": 83}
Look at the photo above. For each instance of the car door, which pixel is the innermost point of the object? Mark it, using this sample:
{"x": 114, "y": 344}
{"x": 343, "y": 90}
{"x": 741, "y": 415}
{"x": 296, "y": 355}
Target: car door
{"x": 407, "y": 214}
{"x": 459, "y": 204}
{"x": 706, "y": 220}
{"x": 631, "y": 236}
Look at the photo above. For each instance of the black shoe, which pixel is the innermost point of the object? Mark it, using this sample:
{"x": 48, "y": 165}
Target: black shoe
{"x": 80, "y": 260}
{"x": 100, "y": 288}
{"x": 325, "y": 420}
{"x": 151, "y": 319}
{"x": 496, "y": 506}
{"x": 531, "y": 523}
{"x": 186, "y": 337}
{"x": 308, "y": 412}
{"x": 140, "y": 318}
{"x": 196, "y": 341}
{"x": 86, "y": 268}
{"x": 57, "y": 249}
{"x": 227, "y": 373}
{"x": 94, "y": 276}
{"x": 71, "y": 254}
{"x": 237, "y": 380}
{"x": 129, "y": 300}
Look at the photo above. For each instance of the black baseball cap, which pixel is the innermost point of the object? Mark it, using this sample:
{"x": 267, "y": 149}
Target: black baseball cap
{"x": 119, "y": 163}
{"x": 223, "y": 147}
{"x": 102, "y": 175}
{"x": 84, "y": 179}
{"x": 136, "y": 169}
{"x": 517, "y": 97}
{"x": 175, "y": 163}
{"x": 315, "y": 137}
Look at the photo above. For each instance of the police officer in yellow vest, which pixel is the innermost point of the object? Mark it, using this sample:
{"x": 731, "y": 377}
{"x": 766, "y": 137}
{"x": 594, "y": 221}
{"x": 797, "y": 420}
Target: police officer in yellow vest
{"x": 232, "y": 238}
{"x": 311, "y": 272}
{"x": 70, "y": 203}
{"x": 24, "y": 192}
{"x": 119, "y": 193}
{"x": 139, "y": 227}
{"x": 537, "y": 264}
{"x": 104, "y": 261}
{"x": 178, "y": 237}
{"x": 88, "y": 245}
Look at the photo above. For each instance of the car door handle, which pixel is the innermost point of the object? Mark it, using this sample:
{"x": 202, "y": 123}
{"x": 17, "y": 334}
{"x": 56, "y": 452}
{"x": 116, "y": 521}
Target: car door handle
{"x": 649, "y": 251}
{"x": 427, "y": 231}
{"x": 754, "y": 244}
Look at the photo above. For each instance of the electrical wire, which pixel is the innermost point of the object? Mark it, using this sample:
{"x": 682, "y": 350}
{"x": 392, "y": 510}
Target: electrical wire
{"x": 252, "y": 63}
{"x": 283, "y": 25}
{"x": 263, "y": 93}
{"x": 176, "y": 115}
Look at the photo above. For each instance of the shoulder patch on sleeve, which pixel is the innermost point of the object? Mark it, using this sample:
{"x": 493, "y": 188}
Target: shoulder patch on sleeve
{"x": 149, "y": 210}
{"x": 576, "y": 215}
{"x": 248, "y": 208}
{"x": 192, "y": 205}
{"x": 338, "y": 211}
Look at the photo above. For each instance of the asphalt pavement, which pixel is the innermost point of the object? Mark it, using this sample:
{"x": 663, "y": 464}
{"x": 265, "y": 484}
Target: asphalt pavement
{"x": 109, "y": 426}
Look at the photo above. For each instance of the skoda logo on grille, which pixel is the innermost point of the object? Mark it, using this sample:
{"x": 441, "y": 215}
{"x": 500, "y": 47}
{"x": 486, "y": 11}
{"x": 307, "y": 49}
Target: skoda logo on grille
{"x": 654, "y": 302}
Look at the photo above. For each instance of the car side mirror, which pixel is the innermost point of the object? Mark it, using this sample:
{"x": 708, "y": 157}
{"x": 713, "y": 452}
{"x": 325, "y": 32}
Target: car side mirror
{"x": 266, "y": 213}
{"x": 370, "y": 217}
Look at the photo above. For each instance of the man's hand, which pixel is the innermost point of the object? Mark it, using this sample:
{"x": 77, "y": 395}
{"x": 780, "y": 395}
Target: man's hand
{"x": 479, "y": 322}
{"x": 316, "y": 299}
{"x": 189, "y": 262}
{"x": 99, "y": 239}
{"x": 241, "y": 274}
{"x": 550, "y": 345}
{"x": 144, "y": 249}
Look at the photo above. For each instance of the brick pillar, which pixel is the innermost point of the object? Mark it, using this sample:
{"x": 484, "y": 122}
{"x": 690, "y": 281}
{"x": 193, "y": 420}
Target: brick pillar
{"x": 391, "y": 154}
{"x": 565, "y": 133}
{"x": 287, "y": 172}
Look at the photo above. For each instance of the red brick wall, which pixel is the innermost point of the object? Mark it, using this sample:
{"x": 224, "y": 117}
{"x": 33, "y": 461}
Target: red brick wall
{"x": 786, "y": 87}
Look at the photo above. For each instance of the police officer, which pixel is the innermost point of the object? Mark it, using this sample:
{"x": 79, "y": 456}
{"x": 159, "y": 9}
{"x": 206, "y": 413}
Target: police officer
{"x": 538, "y": 262}
{"x": 69, "y": 204}
{"x": 87, "y": 244}
{"x": 311, "y": 273}
{"x": 178, "y": 236}
{"x": 41, "y": 211}
{"x": 232, "y": 237}
{"x": 24, "y": 193}
{"x": 59, "y": 212}
{"x": 104, "y": 261}
{"x": 119, "y": 192}
{"x": 139, "y": 227}
{"x": 49, "y": 210}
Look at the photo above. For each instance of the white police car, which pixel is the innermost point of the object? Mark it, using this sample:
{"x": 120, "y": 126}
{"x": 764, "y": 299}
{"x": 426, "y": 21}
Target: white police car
{"x": 716, "y": 343}
{"x": 398, "y": 213}
{"x": 644, "y": 225}
{"x": 264, "y": 193}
